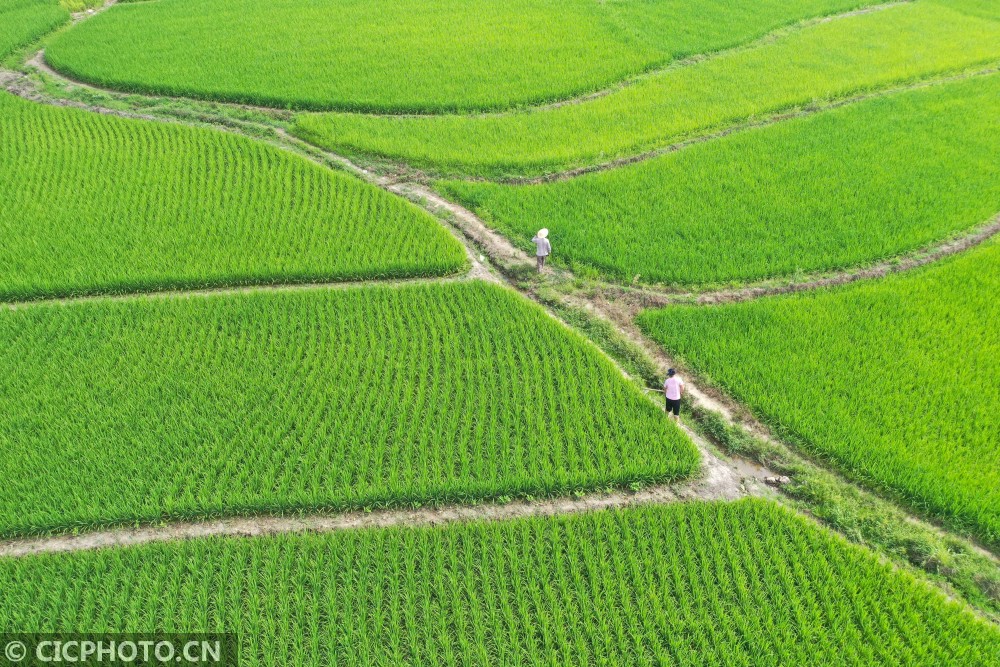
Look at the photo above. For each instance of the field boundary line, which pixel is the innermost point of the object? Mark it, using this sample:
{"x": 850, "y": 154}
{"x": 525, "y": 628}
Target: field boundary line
{"x": 719, "y": 480}
{"x": 229, "y": 290}
{"x": 83, "y": 15}
{"x": 649, "y": 297}
{"x": 16, "y": 83}
{"x": 786, "y": 114}
{"x": 481, "y": 241}
{"x": 615, "y": 86}
{"x": 705, "y": 396}
{"x": 38, "y": 62}
{"x": 696, "y": 59}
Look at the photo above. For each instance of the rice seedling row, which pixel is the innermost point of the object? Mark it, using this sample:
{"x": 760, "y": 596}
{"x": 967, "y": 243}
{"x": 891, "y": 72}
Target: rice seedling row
{"x": 24, "y": 21}
{"x": 274, "y": 401}
{"x": 402, "y": 55}
{"x": 894, "y": 381}
{"x": 98, "y": 204}
{"x": 831, "y": 60}
{"x": 852, "y": 186}
{"x": 698, "y": 584}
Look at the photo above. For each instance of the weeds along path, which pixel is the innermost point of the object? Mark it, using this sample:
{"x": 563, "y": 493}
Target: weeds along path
{"x": 688, "y": 61}
{"x": 20, "y": 84}
{"x": 640, "y": 298}
{"x": 769, "y": 38}
{"x": 765, "y": 121}
{"x": 482, "y": 242}
{"x": 488, "y": 250}
{"x": 721, "y": 480}
{"x": 219, "y": 115}
{"x": 248, "y": 289}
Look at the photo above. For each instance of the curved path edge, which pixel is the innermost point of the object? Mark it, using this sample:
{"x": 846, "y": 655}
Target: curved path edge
{"x": 719, "y": 480}
{"x": 514, "y": 108}
{"x": 649, "y": 297}
{"x": 719, "y": 477}
{"x": 766, "y": 120}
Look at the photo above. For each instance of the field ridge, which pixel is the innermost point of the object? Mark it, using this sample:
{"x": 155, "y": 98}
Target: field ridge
{"x": 719, "y": 480}
{"x": 38, "y": 61}
{"x": 766, "y": 121}
{"x": 506, "y": 257}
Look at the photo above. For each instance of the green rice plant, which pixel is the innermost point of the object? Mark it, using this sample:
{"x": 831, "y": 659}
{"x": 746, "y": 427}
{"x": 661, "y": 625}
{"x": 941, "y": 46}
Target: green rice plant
{"x": 24, "y": 21}
{"x": 403, "y": 55}
{"x": 112, "y": 411}
{"x": 983, "y": 8}
{"x": 744, "y": 584}
{"x": 847, "y": 187}
{"x": 830, "y": 60}
{"x": 894, "y": 381}
{"x": 97, "y": 204}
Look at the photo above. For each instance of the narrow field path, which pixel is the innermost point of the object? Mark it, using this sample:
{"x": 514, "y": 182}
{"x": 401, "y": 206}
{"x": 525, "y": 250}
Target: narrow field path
{"x": 488, "y": 250}
{"x": 638, "y": 298}
{"x": 18, "y": 83}
{"x": 76, "y": 17}
{"x": 38, "y": 63}
{"x": 720, "y": 480}
{"x": 764, "y": 121}
{"x": 476, "y": 273}
{"x": 768, "y": 38}
{"x": 496, "y": 246}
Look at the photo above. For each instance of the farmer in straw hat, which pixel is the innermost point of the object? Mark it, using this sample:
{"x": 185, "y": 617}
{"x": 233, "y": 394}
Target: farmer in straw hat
{"x": 542, "y": 247}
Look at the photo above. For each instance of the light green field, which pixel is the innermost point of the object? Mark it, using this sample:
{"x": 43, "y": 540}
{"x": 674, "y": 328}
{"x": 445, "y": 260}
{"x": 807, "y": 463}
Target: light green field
{"x": 894, "y": 380}
{"x": 96, "y": 204}
{"x": 735, "y": 585}
{"x": 24, "y": 21}
{"x": 988, "y": 9}
{"x": 829, "y": 60}
{"x": 403, "y": 55}
{"x": 178, "y": 407}
{"x": 834, "y": 190}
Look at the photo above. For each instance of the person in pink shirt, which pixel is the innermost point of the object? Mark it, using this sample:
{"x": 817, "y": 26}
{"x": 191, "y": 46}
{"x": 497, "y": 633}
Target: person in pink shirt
{"x": 673, "y": 388}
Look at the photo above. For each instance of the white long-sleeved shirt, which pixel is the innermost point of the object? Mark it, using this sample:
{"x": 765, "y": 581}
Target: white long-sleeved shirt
{"x": 542, "y": 246}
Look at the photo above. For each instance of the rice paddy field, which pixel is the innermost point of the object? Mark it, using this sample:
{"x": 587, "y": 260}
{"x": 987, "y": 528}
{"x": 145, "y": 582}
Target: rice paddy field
{"x": 337, "y": 398}
{"x": 24, "y": 21}
{"x": 834, "y": 190}
{"x": 402, "y": 55}
{"x": 276, "y": 359}
{"x": 98, "y": 204}
{"x": 895, "y": 380}
{"x": 694, "y": 584}
{"x": 817, "y": 63}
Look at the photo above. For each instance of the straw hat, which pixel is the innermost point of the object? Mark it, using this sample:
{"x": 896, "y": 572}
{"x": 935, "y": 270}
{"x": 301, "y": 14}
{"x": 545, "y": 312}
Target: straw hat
{"x": 542, "y": 233}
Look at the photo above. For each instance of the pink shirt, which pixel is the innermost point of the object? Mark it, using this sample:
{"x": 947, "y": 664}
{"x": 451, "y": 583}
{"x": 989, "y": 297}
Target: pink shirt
{"x": 673, "y": 387}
